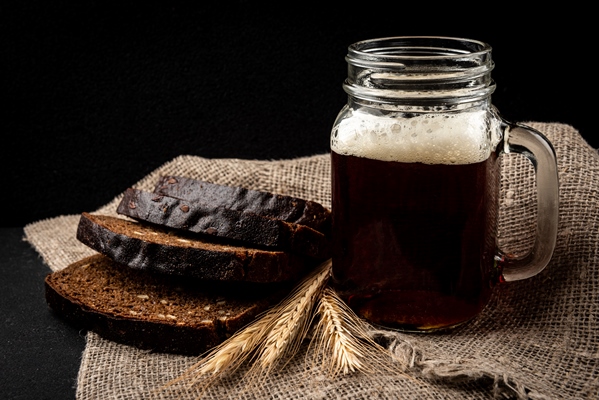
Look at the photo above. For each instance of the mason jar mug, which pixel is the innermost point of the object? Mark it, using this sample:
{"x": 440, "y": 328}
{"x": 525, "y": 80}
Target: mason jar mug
{"x": 415, "y": 184}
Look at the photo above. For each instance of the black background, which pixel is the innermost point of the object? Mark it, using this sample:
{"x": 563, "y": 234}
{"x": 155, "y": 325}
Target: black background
{"x": 97, "y": 95}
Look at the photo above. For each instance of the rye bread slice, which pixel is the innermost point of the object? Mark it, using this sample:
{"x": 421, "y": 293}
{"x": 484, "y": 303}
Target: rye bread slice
{"x": 152, "y": 312}
{"x": 209, "y": 217}
{"x": 286, "y": 208}
{"x": 174, "y": 252}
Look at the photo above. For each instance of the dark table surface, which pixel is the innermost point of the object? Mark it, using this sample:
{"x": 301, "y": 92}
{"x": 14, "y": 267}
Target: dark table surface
{"x": 39, "y": 353}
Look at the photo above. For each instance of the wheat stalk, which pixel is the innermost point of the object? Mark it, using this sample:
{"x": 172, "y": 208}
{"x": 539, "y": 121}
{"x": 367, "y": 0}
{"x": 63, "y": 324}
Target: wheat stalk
{"x": 227, "y": 357}
{"x": 340, "y": 349}
{"x": 341, "y": 338}
{"x": 293, "y": 319}
{"x": 276, "y": 334}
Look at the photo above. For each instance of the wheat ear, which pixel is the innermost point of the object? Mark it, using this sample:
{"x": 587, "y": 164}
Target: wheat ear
{"x": 275, "y": 334}
{"x": 342, "y": 341}
{"x": 291, "y": 324}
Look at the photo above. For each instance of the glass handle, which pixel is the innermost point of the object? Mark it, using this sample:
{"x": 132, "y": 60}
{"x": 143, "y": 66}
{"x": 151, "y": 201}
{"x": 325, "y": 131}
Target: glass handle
{"x": 537, "y": 148}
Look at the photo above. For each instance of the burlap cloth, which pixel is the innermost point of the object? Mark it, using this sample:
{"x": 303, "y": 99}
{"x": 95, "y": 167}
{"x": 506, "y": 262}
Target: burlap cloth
{"x": 537, "y": 339}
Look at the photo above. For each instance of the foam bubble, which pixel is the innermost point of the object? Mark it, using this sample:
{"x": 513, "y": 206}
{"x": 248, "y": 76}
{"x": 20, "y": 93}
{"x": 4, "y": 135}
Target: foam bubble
{"x": 459, "y": 138}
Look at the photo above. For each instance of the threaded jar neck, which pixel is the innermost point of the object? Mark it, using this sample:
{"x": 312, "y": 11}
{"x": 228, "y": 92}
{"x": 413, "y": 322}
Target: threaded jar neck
{"x": 419, "y": 70}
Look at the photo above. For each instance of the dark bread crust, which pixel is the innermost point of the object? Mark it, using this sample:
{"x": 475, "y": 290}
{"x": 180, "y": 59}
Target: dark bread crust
{"x": 172, "y": 252}
{"x": 146, "y": 311}
{"x": 209, "y": 217}
{"x": 286, "y": 208}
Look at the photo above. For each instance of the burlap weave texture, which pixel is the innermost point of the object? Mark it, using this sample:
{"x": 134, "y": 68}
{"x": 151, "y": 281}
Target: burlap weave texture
{"x": 537, "y": 338}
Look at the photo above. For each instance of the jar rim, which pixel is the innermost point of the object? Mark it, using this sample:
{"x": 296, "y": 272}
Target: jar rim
{"x": 419, "y": 69}
{"x": 398, "y": 48}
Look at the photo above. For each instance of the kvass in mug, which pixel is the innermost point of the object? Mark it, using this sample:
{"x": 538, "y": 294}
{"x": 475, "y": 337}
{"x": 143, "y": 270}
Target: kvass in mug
{"x": 415, "y": 184}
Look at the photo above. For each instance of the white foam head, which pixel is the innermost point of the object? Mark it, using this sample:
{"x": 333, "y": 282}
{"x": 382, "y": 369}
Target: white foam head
{"x": 446, "y": 138}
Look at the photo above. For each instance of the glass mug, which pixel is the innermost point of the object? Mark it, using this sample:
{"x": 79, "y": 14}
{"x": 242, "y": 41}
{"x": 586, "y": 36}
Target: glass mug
{"x": 415, "y": 184}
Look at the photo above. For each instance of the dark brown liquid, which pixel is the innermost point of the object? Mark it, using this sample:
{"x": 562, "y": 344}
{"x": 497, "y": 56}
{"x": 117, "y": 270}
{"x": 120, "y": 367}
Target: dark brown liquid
{"x": 414, "y": 243}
